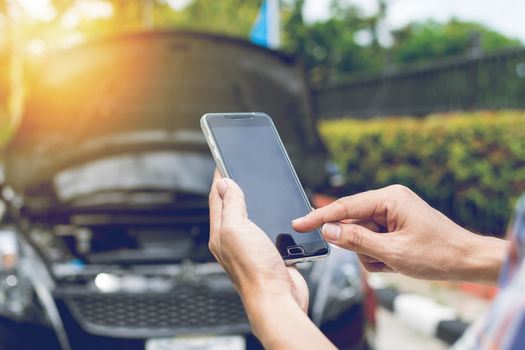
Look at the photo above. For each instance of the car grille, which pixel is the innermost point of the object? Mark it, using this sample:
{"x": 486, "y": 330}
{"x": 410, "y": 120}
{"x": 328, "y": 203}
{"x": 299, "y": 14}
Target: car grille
{"x": 184, "y": 311}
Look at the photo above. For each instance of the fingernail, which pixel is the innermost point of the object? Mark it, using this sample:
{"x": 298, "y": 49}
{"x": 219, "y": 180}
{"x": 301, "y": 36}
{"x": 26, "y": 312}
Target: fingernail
{"x": 331, "y": 232}
{"x": 296, "y": 221}
{"x": 222, "y": 186}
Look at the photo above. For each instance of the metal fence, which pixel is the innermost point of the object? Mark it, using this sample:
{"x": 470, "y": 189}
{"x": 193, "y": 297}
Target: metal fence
{"x": 488, "y": 81}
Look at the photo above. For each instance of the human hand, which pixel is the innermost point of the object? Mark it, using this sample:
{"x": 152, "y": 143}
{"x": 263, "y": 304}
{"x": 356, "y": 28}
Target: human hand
{"x": 275, "y": 296}
{"x": 245, "y": 251}
{"x": 392, "y": 229}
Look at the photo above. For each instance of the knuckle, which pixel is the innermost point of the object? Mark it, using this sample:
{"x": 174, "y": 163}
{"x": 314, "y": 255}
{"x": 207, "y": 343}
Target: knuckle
{"x": 352, "y": 236}
{"x": 341, "y": 207}
{"x": 395, "y": 254}
{"x": 339, "y": 204}
{"x": 398, "y": 192}
{"x": 400, "y": 189}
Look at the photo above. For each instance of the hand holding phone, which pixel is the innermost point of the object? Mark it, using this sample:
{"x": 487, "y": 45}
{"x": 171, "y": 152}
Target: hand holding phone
{"x": 247, "y": 253}
{"x": 247, "y": 149}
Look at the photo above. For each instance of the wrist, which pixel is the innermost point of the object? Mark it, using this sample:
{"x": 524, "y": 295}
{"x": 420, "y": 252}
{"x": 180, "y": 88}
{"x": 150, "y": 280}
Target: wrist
{"x": 483, "y": 260}
{"x": 256, "y": 289}
{"x": 272, "y": 308}
{"x": 258, "y": 299}
{"x": 262, "y": 306}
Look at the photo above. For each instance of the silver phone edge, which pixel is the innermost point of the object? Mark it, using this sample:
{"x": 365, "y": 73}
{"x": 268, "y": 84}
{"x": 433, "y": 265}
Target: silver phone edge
{"x": 212, "y": 145}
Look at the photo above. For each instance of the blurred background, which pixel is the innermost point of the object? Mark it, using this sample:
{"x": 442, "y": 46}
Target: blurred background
{"x": 365, "y": 59}
{"x": 430, "y": 94}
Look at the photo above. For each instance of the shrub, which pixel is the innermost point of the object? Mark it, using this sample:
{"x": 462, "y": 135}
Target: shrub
{"x": 470, "y": 166}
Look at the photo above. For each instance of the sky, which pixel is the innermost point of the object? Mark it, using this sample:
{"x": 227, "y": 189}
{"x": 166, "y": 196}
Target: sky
{"x": 505, "y": 16}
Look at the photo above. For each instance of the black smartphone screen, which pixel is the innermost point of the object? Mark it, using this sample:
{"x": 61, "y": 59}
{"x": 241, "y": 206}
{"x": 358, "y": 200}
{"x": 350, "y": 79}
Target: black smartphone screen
{"x": 256, "y": 160}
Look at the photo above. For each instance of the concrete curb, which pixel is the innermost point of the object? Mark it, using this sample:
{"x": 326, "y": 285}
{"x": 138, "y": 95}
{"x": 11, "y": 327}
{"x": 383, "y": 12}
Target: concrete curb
{"x": 422, "y": 314}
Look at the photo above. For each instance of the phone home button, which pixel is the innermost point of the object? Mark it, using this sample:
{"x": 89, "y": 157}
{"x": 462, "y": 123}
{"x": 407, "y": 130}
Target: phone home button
{"x": 295, "y": 250}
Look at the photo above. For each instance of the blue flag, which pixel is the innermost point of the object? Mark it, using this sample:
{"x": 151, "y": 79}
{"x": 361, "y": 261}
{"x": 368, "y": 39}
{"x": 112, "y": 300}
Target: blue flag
{"x": 265, "y": 31}
{"x": 259, "y": 33}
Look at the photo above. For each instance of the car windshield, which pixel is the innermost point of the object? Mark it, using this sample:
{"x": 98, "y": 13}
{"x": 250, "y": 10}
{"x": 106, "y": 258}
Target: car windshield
{"x": 155, "y": 171}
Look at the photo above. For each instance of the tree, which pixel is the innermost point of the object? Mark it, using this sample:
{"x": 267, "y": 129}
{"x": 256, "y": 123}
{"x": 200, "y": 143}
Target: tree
{"x": 329, "y": 48}
{"x": 234, "y": 17}
{"x": 429, "y": 40}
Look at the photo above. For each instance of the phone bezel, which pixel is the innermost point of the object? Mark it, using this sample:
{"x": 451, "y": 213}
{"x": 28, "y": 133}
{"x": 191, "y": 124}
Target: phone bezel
{"x": 208, "y": 134}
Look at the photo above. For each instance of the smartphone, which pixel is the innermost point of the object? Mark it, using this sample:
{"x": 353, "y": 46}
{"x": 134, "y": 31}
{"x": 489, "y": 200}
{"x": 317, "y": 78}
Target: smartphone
{"x": 247, "y": 148}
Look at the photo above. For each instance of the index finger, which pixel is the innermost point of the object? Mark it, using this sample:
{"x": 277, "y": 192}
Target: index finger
{"x": 362, "y": 206}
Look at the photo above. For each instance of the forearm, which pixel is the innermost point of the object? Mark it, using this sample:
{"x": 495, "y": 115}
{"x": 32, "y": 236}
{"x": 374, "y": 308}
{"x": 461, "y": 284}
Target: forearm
{"x": 279, "y": 323}
{"x": 483, "y": 260}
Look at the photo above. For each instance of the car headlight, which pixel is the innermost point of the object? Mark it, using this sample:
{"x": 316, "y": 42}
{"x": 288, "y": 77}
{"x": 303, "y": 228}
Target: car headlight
{"x": 16, "y": 290}
{"x": 26, "y": 286}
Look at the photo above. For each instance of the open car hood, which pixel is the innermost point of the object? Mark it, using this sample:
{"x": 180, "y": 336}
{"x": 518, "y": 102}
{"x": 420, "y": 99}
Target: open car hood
{"x": 145, "y": 91}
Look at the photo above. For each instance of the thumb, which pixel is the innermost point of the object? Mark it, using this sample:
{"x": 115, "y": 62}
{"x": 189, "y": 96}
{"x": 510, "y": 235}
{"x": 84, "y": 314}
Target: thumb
{"x": 233, "y": 204}
{"x": 356, "y": 238}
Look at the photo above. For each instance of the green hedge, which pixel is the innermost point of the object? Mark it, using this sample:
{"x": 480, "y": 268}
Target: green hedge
{"x": 471, "y": 166}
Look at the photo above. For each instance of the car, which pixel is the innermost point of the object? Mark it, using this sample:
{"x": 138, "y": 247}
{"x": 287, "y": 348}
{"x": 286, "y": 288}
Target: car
{"x": 104, "y": 231}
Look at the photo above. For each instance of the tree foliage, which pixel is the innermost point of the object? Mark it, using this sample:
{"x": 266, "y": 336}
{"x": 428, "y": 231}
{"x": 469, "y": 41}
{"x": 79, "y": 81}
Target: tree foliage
{"x": 234, "y": 17}
{"x": 331, "y": 51}
{"x": 427, "y": 40}
{"x": 329, "y": 48}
